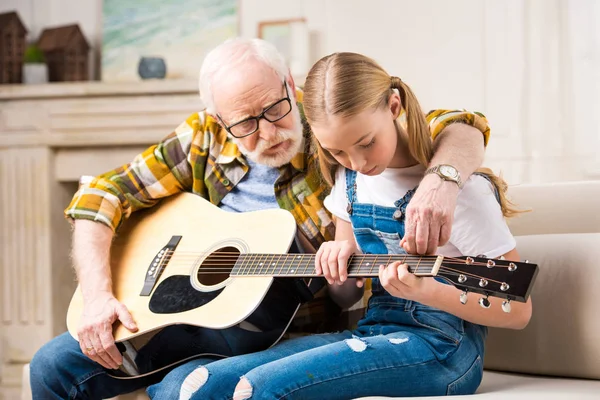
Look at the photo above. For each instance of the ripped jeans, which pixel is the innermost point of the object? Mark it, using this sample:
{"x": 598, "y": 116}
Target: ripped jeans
{"x": 400, "y": 347}
{"x": 337, "y": 366}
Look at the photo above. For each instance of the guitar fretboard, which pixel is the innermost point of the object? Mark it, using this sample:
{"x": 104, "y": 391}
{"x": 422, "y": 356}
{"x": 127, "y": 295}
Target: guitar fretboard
{"x": 303, "y": 265}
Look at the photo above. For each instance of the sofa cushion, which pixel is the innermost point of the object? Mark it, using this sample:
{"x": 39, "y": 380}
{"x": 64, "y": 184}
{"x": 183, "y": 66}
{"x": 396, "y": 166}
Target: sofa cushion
{"x": 494, "y": 386}
{"x": 501, "y": 386}
{"x": 562, "y": 336}
{"x": 563, "y": 207}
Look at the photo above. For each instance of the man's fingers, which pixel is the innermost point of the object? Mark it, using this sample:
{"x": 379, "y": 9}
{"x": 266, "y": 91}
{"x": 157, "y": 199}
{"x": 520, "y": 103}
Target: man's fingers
{"x": 108, "y": 342}
{"x": 409, "y": 244}
{"x": 406, "y": 246}
{"x": 433, "y": 237}
{"x": 445, "y": 231}
{"x": 86, "y": 347}
{"x": 126, "y": 318}
{"x": 422, "y": 237}
{"x": 98, "y": 354}
{"x": 410, "y": 230}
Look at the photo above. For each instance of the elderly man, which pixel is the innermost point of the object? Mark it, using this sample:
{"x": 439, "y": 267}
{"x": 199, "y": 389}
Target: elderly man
{"x": 248, "y": 150}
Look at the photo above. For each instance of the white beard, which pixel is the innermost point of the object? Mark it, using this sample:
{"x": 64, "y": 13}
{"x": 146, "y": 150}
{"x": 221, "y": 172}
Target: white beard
{"x": 283, "y": 157}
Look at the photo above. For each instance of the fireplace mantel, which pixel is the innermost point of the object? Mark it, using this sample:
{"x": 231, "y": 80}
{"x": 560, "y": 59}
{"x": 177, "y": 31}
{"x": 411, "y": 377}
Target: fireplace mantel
{"x": 50, "y": 135}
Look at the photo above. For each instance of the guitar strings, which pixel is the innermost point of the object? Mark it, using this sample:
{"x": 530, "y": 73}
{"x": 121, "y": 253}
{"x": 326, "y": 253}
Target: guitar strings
{"x": 246, "y": 270}
{"x": 265, "y": 263}
{"x": 234, "y": 257}
{"x": 307, "y": 271}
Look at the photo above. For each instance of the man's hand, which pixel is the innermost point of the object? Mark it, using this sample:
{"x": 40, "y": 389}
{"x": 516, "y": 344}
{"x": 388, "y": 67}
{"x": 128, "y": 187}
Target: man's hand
{"x": 95, "y": 331}
{"x": 429, "y": 216}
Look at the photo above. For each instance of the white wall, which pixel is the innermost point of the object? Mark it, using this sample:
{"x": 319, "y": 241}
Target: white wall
{"x": 532, "y": 66}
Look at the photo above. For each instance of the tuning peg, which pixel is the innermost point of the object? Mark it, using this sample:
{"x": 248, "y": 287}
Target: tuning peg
{"x": 484, "y": 302}
{"x": 504, "y": 286}
{"x": 491, "y": 263}
{"x": 483, "y": 282}
{"x": 462, "y": 278}
{"x": 469, "y": 261}
{"x": 512, "y": 267}
{"x": 506, "y": 306}
{"x": 464, "y": 298}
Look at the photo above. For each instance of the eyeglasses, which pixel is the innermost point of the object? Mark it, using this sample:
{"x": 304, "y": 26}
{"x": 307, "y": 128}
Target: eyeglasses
{"x": 273, "y": 113}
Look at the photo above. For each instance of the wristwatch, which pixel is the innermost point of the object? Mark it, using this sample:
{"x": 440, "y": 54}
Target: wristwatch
{"x": 446, "y": 172}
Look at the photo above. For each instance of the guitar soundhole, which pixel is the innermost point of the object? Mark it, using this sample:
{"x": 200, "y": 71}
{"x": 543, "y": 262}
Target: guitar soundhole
{"x": 217, "y": 266}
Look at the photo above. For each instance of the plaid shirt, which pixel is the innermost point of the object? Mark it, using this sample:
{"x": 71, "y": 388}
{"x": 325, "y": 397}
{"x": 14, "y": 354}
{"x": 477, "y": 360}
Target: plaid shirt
{"x": 199, "y": 157}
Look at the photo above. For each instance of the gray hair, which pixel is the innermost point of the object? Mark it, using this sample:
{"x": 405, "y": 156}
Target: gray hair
{"x": 233, "y": 53}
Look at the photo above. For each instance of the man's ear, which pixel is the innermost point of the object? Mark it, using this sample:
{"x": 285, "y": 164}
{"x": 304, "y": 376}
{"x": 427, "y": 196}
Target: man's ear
{"x": 395, "y": 104}
{"x": 217, "y": 119}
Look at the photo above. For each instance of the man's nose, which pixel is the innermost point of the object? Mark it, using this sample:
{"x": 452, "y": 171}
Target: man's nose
{"x": 267, "y": 130}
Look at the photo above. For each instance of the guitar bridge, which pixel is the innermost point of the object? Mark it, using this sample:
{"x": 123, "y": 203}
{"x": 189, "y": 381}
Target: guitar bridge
{"x": 158, "y": 264}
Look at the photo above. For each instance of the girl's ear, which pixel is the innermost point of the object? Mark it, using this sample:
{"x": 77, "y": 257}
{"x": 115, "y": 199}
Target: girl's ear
{"x": 395, "y": 104}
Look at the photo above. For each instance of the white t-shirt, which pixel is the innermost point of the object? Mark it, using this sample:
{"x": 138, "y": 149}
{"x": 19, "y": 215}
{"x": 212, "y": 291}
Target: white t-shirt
{"x": 478, "y": 228}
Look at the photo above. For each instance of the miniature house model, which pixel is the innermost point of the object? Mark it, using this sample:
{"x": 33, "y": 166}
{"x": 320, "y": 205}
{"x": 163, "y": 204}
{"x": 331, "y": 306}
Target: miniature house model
{"x": 66, "y": 53}
{"x": 12, "y": 48}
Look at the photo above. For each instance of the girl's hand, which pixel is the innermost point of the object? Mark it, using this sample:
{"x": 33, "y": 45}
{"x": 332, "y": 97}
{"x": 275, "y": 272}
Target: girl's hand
{"x": 399, "y": 282}
{"x": 332, "y": 261}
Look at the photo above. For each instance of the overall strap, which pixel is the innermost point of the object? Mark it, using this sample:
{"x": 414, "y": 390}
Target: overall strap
{"x": 486, "y": 176}
{"x": 350, "y": 189}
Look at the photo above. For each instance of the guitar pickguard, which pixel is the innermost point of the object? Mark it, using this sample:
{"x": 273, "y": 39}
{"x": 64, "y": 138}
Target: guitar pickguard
{"x": 176, "y": 294}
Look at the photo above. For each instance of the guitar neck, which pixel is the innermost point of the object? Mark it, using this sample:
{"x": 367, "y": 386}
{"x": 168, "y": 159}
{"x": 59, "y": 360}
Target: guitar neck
{"x": 303, "y": 265}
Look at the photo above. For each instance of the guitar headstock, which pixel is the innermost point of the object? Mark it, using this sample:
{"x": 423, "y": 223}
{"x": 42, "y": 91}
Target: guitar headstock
{"x": 510, "y": 280}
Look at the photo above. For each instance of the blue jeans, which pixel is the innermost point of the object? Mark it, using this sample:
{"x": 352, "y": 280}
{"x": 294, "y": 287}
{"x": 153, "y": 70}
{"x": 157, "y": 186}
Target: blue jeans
{"x": 59, "y": 370}
{"x": 400, "y": 347}
{"x": 341, "y": 366}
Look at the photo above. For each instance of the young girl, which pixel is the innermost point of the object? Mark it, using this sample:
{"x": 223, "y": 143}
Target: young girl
{"x": 416, "y": 338}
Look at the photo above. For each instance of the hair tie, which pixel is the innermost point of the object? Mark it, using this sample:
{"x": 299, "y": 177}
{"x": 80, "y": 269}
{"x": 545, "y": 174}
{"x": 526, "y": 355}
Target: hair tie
{"x": 395, "y": 82}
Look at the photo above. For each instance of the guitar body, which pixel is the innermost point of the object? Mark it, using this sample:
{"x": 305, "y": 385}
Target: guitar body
{"x": 184, "y": 293}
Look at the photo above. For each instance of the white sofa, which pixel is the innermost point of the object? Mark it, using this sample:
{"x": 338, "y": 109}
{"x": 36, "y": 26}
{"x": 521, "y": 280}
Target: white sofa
{"x": 558, "y": 355}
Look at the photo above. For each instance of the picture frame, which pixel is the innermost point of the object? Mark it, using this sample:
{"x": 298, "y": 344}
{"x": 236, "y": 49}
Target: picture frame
{"x": 291, "y": 38}
{"x": 144, "y": 39}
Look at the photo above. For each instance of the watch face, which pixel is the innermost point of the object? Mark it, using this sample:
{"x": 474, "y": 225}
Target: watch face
{"x": 448, "y": 171}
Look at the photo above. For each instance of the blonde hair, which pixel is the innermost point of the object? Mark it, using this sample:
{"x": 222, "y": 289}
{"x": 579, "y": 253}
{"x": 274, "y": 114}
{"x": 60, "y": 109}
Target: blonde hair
{"x": 345, "y": 84}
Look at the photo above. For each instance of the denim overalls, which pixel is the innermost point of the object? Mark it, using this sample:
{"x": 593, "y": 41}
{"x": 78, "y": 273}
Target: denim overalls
{"x": 378, "y": 230}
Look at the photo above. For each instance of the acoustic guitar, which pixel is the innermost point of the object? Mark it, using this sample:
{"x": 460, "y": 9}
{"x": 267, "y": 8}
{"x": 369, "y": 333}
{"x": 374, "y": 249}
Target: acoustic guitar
{"x": 185, "y": 261}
